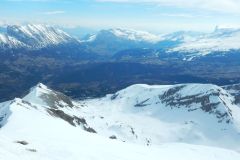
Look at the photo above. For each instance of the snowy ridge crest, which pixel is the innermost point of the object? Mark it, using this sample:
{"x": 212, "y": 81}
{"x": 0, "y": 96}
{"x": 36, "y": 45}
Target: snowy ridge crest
{"x": 42, "y": 95}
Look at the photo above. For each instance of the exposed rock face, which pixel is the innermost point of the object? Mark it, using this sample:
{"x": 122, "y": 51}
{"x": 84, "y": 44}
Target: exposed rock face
{"x": 55, "y": 99}
{"x": 73, "y": 120}
{"x": 45, "y": 96}
{"x": 52, "y": 103}
{"x": 173, "y": 98}
{"x": 235, "y": 91}
{"x": 205, "y": 98}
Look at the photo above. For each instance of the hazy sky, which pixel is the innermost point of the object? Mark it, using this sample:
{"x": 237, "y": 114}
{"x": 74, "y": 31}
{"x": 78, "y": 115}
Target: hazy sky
{"x": 152, "y": 15}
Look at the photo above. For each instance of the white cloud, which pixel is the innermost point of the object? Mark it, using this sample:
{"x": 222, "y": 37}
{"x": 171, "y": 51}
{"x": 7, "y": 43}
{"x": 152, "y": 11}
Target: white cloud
{"x": 53, "y": 12}
{"x": 29, "y": 0}
{"x": 230, "y": 6}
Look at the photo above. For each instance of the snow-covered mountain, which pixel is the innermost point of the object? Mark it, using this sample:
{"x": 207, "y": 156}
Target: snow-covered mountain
{"x": 7, "y": 42}
{"x": 184, "y": 44}
{"x": 46, "y": 124}
{"x": 180, "y": 113}
{"x": 143, "y": 36}
{"x": 33, "y": 36}
{"x": 124, "y": 34}
{"x": 221, "y": 40}
{"x": 109, "y": 42}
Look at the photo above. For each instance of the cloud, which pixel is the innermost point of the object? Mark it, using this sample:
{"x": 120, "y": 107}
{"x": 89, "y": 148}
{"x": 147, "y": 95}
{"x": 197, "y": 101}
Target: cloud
{"x": 53, "y": 12}
{"x": 177, "y": 15}
{"x": 184, "y": 15}
{"x": 230, "y": 6}
{"x": 29, "y": 0}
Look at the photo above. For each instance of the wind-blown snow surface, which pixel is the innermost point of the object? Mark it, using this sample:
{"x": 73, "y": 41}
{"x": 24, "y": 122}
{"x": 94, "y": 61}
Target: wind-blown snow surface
{"x": 48, "y": 125}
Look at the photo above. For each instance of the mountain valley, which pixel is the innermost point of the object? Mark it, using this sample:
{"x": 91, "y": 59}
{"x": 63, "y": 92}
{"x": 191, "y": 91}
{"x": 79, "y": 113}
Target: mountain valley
{"x": 89, "y": 68}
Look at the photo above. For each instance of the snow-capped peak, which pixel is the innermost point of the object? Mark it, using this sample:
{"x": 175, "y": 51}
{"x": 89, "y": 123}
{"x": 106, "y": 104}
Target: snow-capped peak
{"x": 42, "y": 95}
{"x": 38, "y": 36}
{"x": 135, "y": 35}
{"x": 127, "y": 34}
{"x": 36, "y": 93}
{"x": 41, "y": 86}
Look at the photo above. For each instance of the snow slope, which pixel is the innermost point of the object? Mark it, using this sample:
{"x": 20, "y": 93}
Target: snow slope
{"x": 46, "y": 124}
{"x": 156, "y": 114}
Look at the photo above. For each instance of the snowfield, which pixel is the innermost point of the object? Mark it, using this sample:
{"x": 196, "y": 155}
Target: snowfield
{"x": 140, "y": 122}
{"x": 193, "y": 113}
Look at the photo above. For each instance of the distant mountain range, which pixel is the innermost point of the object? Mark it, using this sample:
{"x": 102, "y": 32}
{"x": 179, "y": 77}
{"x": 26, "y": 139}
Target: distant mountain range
{"x": 112, "y": 59}
{"x": 108, "y": 43}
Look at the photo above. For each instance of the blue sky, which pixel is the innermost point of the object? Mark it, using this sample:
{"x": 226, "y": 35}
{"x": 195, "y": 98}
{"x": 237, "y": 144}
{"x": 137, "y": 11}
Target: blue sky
{"x": 151, "y": 15}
